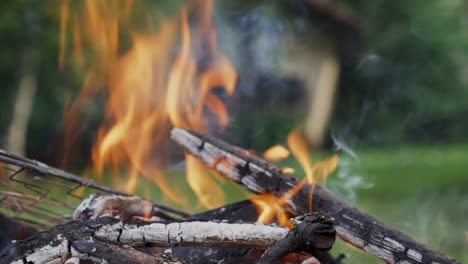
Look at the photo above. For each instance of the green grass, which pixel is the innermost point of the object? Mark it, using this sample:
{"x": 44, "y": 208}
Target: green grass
{"x": 422, "y": 191}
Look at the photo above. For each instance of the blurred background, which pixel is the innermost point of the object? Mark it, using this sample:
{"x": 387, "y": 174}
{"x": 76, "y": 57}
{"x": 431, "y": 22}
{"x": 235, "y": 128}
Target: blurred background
{"x": 383, "y": 83}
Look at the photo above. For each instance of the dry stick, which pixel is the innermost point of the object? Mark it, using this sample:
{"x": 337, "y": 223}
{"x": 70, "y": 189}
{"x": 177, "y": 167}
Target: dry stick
{"x": 61, "y": 241}
{"x": 352, "y": 225}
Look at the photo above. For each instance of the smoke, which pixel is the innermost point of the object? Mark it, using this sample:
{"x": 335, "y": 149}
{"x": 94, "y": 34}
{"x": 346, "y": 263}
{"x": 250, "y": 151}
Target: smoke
{"x": 350, "y": 180}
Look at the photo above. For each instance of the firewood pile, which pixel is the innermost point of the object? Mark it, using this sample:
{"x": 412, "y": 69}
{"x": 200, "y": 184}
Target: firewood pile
{"x": 113, "y": 227}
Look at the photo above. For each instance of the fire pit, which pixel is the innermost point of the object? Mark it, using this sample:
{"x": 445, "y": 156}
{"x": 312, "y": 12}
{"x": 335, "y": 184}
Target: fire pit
{"x": 173, "y": 82}
{"x": 95, "y": 240}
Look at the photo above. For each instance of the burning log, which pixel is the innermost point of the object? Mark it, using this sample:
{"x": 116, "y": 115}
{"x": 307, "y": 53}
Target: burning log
{"x": 312, "y": 233}
{"x": 308, "y": 230}
{"x": 76, "y": 239}
{"x": 352, "y": 225}
{"x": 102, "y": 240}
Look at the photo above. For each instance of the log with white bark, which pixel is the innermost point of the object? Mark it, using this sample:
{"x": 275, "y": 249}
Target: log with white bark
{"x": 312, "y": 233}
{"x": 353, "y": 226}
{"x": 73, "y": 238}
{"x": 85, "y": 240}
{"x": 108, "y": 239}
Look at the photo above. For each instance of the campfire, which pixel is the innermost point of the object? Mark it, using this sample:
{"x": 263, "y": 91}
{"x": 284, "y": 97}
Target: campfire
{"x": 172, "y": 84}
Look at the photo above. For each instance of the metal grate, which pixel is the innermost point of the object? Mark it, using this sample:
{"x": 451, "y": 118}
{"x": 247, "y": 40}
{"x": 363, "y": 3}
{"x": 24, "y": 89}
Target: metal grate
{"x": 38, "y": 195}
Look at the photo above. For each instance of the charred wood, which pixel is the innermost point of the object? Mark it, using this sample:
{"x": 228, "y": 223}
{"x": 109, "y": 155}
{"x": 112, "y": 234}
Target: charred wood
{"x": 101, "y": 252}
{"x": 13, "y": 230}
{"x": 314, "y": 234}
{"x": 352, "y": 225}
{"x": 58, "y": 243}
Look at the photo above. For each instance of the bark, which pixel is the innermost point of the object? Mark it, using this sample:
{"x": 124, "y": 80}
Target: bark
{"x": 244, "y": 211}
{"x": 62, "y": 241}
{"x": 108, "y": 239}
{"x": 352, "y": 225}
{"x": 312, "y": 233}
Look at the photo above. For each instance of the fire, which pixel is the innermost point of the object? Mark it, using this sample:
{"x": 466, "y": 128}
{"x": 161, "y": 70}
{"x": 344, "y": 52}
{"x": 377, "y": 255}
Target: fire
{"x": 270, "y": 209}
{"x": 288, "y": 170}
{"x": 270, "y": 206}
{"x": 148, "y": 88}
{"x": 276, "y": 153}
{"x": 314, "y": 173}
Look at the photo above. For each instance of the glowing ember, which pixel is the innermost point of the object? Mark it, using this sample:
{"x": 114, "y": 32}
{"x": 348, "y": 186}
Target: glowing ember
{"x": 276, "y": 153}
{"x": 148, "y": 89}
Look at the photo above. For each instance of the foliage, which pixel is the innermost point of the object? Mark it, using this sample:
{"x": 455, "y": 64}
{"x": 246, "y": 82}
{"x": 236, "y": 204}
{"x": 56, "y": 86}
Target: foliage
{"x": 411, "y": 85}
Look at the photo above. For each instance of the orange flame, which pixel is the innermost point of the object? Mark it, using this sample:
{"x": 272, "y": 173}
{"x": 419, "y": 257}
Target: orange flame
{"x": 288, "y": 170}
{"x": 276, "y": 153}
{"x": 148, "y": 89}
{"x": 270, "y": 206}
{"x": 317, "y": 173}
{"x": 270, "y": 209}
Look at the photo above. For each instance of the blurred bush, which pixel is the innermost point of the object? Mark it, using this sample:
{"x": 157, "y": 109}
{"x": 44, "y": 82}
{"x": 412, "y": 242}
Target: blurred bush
{"x": 411, "y": 86}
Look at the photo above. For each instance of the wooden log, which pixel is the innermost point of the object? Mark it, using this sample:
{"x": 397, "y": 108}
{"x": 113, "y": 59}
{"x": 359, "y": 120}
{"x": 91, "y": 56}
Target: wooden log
{"x": 312, "y": 233}
{"x": 108, "y": 240}
{"x": 244, "y": 211}
{"x": 98, "y": 205}
{"x": 353, "y": 226}
{"x": 76, "y": 239}
{"x": 57, "y": 243}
